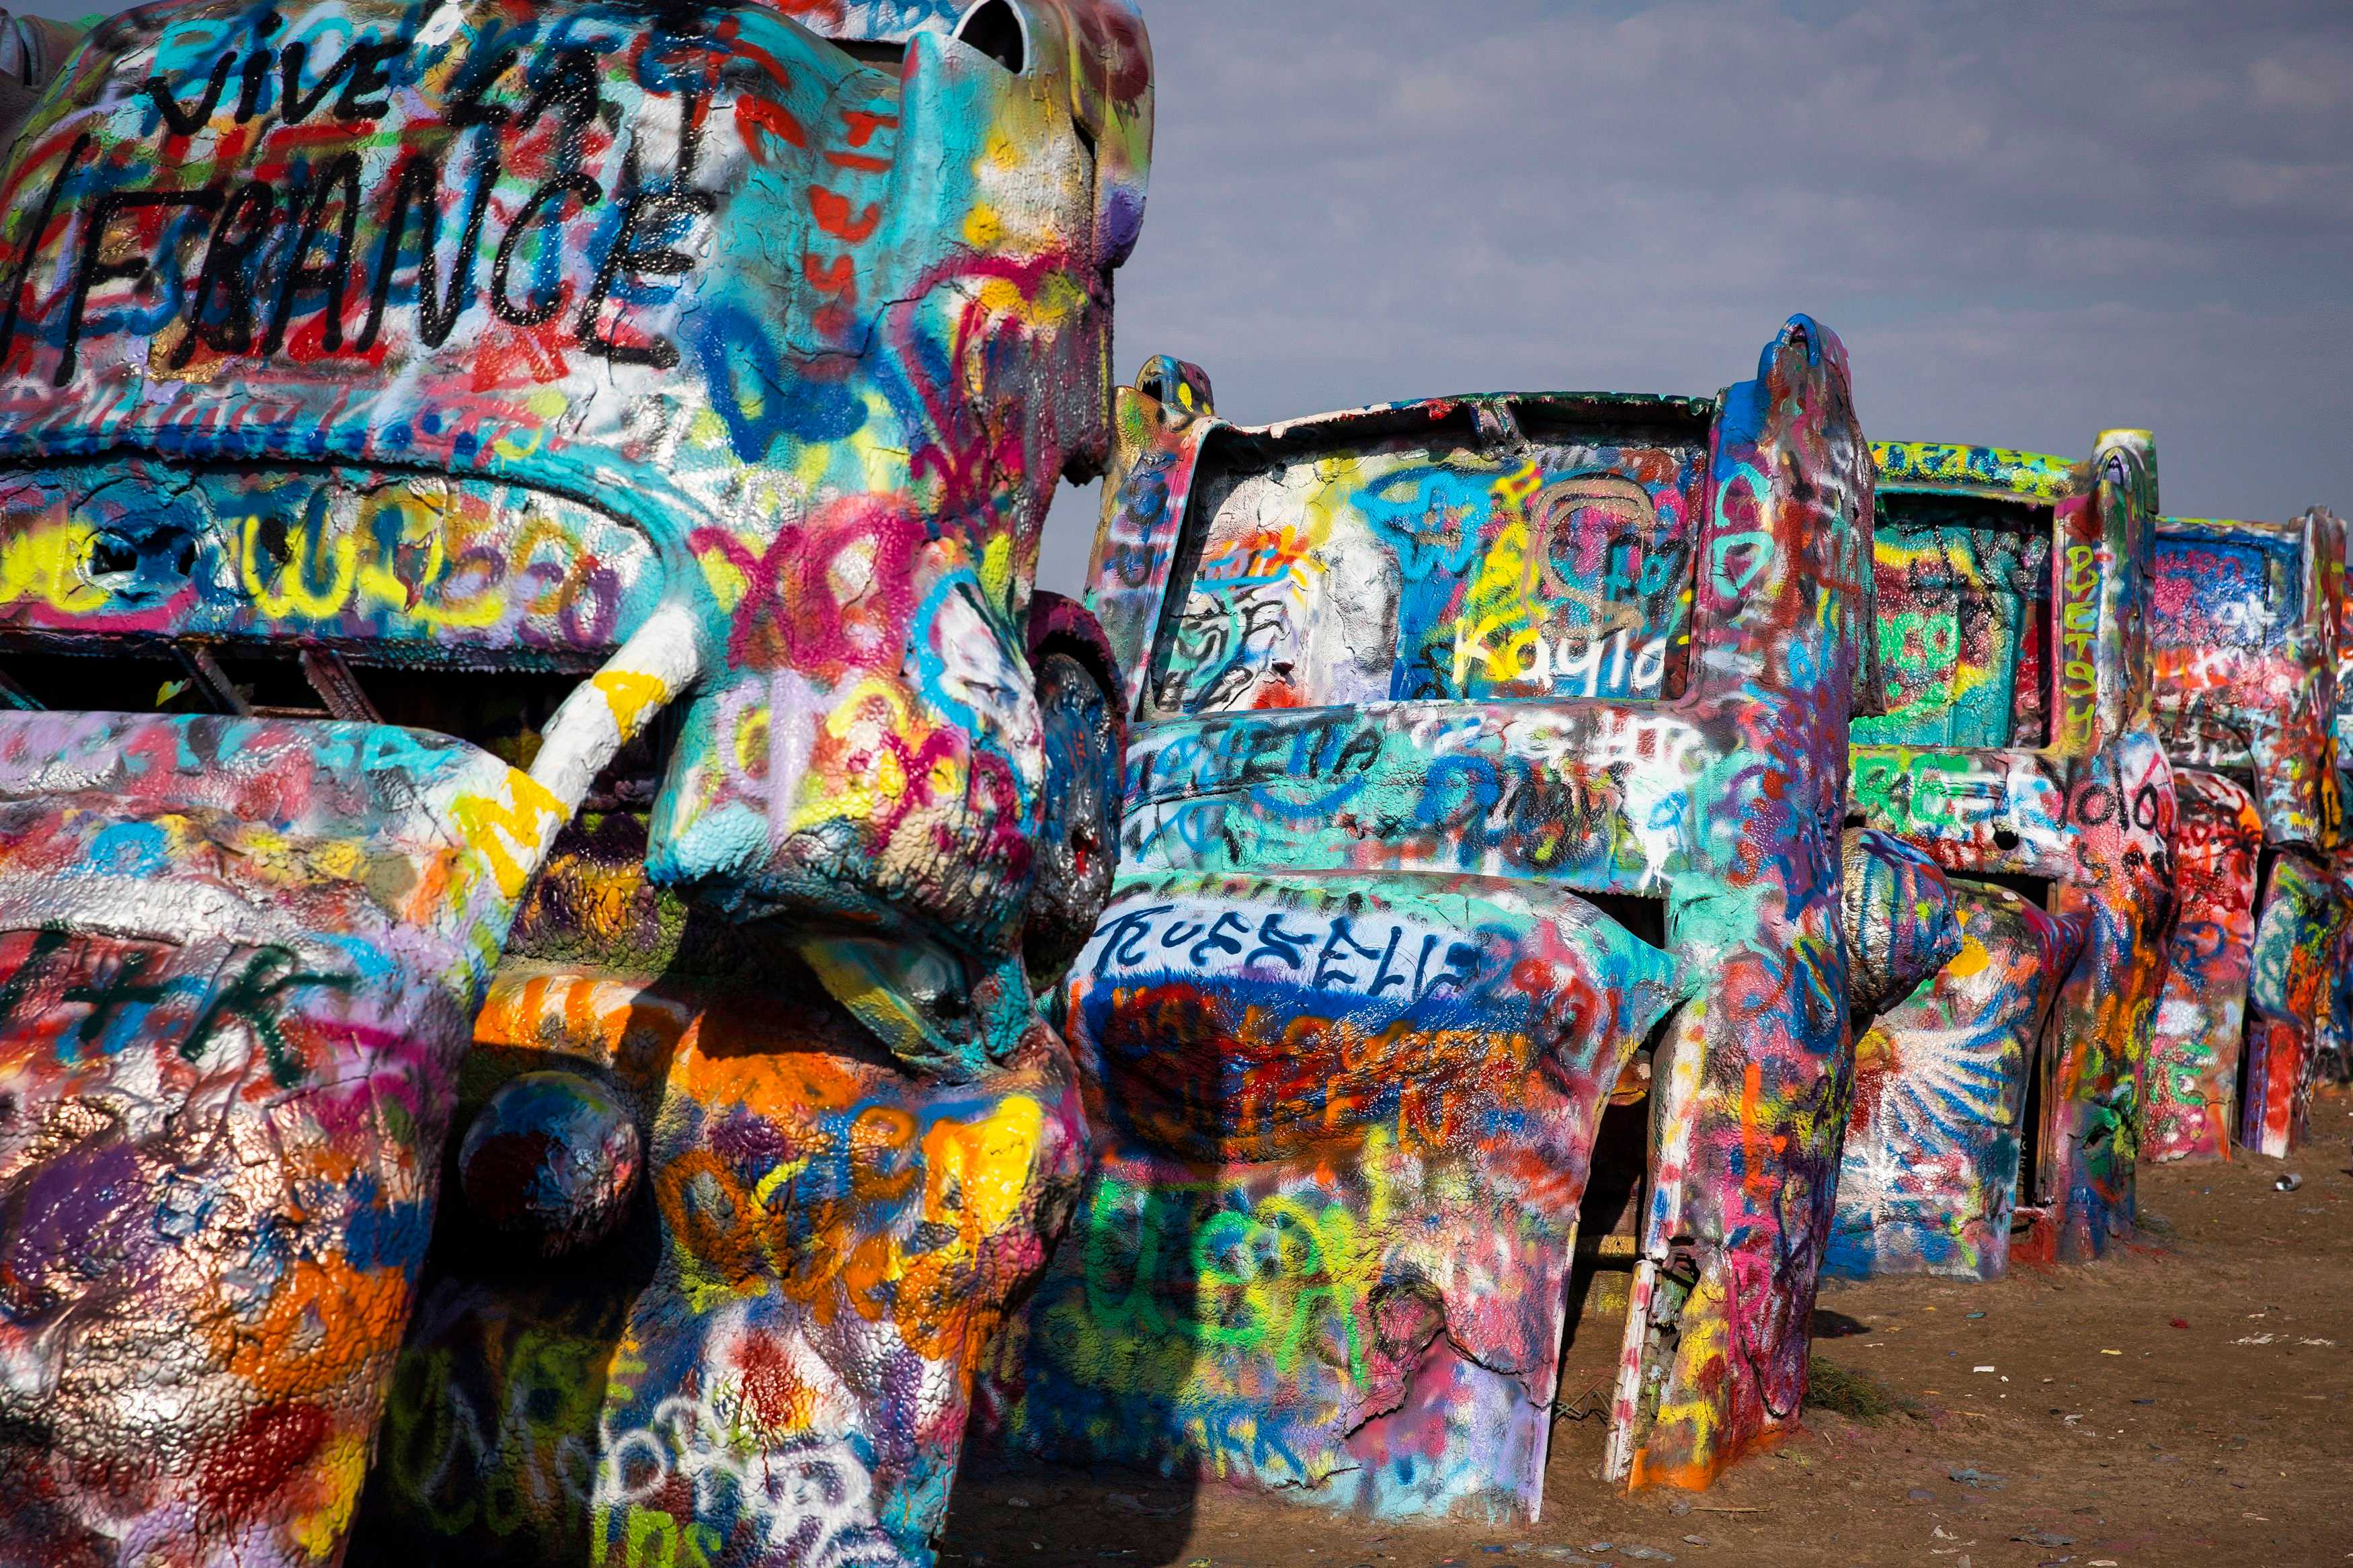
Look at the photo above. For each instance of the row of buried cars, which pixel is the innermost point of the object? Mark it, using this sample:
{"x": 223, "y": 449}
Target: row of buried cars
{"x": 589, "y": 973}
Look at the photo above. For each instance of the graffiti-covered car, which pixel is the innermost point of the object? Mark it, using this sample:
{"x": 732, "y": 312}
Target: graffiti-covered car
{"x": 574, "y": 469}
{"x": 2018, "y": 749}
{"x": 2334, "y": 1064}
{"x": 2245, "y": 638}
{"x": 1490, "y": 754}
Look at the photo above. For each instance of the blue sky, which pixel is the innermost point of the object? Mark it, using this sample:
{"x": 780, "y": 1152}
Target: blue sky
{"x": 2027, "y": 221}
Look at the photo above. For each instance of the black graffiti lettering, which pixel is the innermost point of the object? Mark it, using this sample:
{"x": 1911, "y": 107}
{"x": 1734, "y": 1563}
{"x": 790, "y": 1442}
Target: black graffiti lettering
{"x": 360, "y": 70}
{"x": 340, "y": 183}
{"x": 276, "y": 252}
{"x": 642, "y": 247}
{"x": 256, "y": 71}
{"x": 93, "y": 270}
{"x": 33, "y": 243}
{"x": 548, "y": 199}
{"x": 1255, "y": 747}
{"x": 639, "y": 249}
{"x": 691, "y": 106}
{"x": 1364, "y": 749}
{"x": 224, "y": 277}
{"x": 249, "y": 97}
{"x": 366, "y": 86}
{"x": 467, "y": 106}
{"x": 294, "y": 105}
{"x": 419, "y": 189}
{"x": 1143, "y": 766}
{"x": 184, "y": 121}
{"x": 571, "y": 85}
{"x": 1307, "y": 748}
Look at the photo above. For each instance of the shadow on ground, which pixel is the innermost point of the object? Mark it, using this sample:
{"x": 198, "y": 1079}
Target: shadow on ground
{"x": 2187, "y": 1400}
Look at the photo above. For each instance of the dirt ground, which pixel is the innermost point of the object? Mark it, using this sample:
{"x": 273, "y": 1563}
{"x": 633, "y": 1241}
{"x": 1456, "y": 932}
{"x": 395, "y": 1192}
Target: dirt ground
{"x": 2187, "y": 1400}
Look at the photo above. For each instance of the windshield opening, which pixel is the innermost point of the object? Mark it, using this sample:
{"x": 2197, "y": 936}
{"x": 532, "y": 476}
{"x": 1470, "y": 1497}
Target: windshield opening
{"x": 1963, "y": 584}
{"x": 1546, "y": 558}
{"x": 2209, "y": 592}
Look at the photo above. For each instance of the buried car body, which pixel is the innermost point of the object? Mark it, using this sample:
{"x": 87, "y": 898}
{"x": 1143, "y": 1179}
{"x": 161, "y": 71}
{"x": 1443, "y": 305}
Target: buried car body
{"x": 1458, "y": 718}
{"x": 418, "y": 424}
{"x": 2336, "y": 1054}
{"x": 2246, "y": 634}
{"x": 2016, "y": 747}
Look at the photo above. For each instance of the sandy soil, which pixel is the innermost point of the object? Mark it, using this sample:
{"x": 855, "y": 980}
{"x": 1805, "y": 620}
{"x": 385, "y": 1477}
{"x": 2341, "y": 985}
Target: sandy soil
{"x": 2187, "y": 1400}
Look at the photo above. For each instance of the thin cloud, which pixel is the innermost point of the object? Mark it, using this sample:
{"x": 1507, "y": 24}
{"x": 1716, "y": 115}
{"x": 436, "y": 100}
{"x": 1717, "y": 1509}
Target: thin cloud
{"x": 2029, "y": 222}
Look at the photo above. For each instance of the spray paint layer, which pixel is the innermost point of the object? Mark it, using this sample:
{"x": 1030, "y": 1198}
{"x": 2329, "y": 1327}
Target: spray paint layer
{"x": 2016, "y": 743}
{"x": 653, "y": 412}
{"x": 1561, "y": 646}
